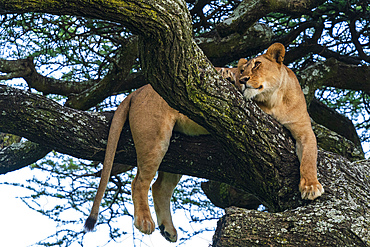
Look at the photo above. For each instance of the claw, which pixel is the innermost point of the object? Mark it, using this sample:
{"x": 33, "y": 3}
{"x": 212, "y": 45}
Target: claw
{"x": 144, "y": 224}
{"x": 310, "y": 192}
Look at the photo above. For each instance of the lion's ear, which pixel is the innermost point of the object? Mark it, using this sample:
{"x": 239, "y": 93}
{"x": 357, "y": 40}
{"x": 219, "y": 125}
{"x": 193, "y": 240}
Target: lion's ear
{"x": 241, "y": 62}
{"x": 276, "y": 52}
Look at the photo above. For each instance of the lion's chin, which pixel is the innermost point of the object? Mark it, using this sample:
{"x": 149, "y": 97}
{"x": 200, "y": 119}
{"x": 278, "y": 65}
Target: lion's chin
{"x": 249, "y": 93}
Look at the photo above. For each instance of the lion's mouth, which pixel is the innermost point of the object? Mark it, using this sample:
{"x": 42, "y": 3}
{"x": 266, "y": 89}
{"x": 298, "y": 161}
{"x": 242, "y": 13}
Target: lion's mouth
{"x": 250, "y": 92}
{"x": 251, "y": 87}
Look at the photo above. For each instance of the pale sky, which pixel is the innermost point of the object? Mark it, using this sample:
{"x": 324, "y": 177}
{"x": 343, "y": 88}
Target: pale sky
{"x": 21, "y": 226}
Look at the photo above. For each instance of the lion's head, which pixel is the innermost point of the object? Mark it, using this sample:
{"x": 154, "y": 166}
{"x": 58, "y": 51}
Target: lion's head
{"x": 258, "y": 78}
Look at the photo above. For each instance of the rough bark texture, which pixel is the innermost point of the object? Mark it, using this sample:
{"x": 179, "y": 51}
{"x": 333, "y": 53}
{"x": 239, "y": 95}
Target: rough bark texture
{"x": 340, "y": 218}
{"x": 87, "y": 94}
{"x": 333, "y": 73}
{"x": 263, "y": 154}
{"x": 333, "y": 142}
{"x": 345, "y": 204}
{"x": 43, "y": 121}
{"x": 19, "y": 155}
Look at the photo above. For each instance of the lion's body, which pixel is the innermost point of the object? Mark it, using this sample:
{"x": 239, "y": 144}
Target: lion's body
{"x": 152, "y": 121}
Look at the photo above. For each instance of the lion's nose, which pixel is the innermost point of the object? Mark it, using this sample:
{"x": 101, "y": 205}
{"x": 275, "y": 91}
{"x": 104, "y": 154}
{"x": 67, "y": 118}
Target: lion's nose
{"x": 244, "y": 80}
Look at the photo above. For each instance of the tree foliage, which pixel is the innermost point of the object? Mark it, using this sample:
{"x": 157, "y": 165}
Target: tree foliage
{"x": 83, "y": 58}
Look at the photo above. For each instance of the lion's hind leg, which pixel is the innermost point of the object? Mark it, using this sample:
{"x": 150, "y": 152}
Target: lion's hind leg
{"x": 151, "y": 143}
{"x": 147, "y": 168}
{"x": 162, "y": 191}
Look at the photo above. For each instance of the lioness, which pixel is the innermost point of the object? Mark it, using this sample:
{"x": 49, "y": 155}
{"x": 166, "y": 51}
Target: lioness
{"x": 264, "y": 79}
{"x": 276, "y": 90}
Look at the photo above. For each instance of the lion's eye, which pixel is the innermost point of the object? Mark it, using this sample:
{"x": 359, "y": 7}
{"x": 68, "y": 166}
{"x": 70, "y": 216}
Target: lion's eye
{"x": 256, "y": 64}
{"x": 241, "y": 71}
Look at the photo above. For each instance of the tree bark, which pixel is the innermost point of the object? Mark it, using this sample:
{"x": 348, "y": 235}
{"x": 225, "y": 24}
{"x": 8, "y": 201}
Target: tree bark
{"x": 342, "y": 213}
{"x": 249, "y": 12}
{"x": 83, "y": 135}
{"x": 333, "y": 73}
{"x": 263, "y": 154}
{"x": 340, "y": 218}
{"x": 223, "y": 50}
{"x": 19, "y": 155}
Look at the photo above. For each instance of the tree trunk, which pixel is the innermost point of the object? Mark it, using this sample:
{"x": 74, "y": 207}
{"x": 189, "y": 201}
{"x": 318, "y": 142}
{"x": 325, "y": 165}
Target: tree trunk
{"x": 262, "y": 159}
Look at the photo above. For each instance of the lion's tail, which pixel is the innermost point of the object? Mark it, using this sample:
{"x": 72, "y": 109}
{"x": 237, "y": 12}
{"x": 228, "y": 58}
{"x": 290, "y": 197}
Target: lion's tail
{"x": 115, "y": 130}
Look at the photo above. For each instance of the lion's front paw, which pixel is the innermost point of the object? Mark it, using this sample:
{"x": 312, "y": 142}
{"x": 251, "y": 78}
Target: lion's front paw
{"x": 311, "y": 190}
{"x": 145, "y": 224}
{"x": 228, "y": 75}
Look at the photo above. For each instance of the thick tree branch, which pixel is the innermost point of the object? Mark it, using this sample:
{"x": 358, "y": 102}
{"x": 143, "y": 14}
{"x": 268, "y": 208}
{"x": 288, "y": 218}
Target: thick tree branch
{"x": 338, "y": 73}
{"x": 223, "y": 50}
{"x": 15, "y": 154}
{"x": 323, "y": 51}
{"x": 25, "y": 68}
{"x": 20, "y": 155}
{"x": 332, "y": 141}
{"x": 180, "y": 72}
{"x": 248, "y": 12}
{"x": 326, "y": 139}
{"x": 263, "y": 159}
{"x": 332, "y": 73}
{"x": 341, "y": 219}
{"x": 85, "y": 137}
{"x": 15, "y": 68}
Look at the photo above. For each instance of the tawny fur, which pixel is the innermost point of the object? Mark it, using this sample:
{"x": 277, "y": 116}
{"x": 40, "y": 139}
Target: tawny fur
{"x": 152, "y": 121}
{"x": 276, "y": 90}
